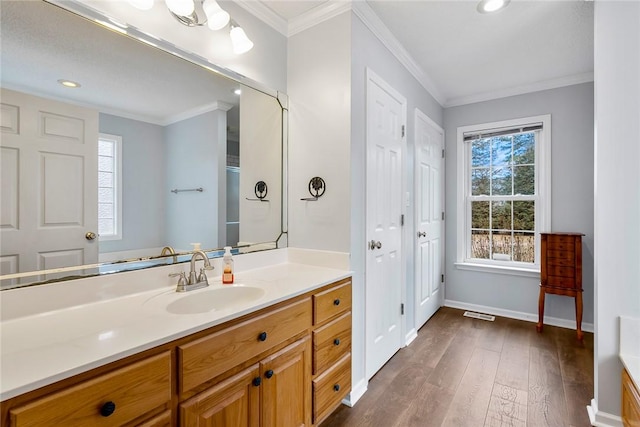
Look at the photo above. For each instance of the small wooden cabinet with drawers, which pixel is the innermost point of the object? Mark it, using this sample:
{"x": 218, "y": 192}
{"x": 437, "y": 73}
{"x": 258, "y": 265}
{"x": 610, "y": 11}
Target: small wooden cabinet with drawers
{"x": 285, "y": 365}
{"x": 331, "y": 348}
{"x": 561, "y": 272}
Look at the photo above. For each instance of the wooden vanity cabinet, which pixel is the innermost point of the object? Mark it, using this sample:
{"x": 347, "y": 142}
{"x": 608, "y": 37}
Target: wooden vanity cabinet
{"x": 285, "y": 365}
{"x": 120, "y": 397}
{"x": 630, "y": 402}
{"x": 331, "y": 348}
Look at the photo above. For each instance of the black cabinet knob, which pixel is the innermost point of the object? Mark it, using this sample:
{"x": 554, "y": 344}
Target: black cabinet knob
{"x": 336, "y": 387}
{"x": 257, "y": 381}
{"x": 108, "y": 409}
{"x": 336, "y": 301}
{"x": 262, "y": 336}
{"x": 336, "y": 341}
{"x": 269, "y": 373}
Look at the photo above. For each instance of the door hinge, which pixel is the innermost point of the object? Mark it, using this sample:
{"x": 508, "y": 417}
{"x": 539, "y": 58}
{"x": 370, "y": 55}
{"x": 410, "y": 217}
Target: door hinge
{"x": 442, "y": 278}
{"x": 443, "y": 215}
{"x": 403, "y": 131}
{"x": 402, "y": 219}
{"x": 401, "y": 309}
{"x": 443, "y": 153}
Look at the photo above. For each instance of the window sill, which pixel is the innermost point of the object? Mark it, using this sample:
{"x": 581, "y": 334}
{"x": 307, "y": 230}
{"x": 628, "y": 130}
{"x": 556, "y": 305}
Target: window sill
{"x": 499, "y": 269}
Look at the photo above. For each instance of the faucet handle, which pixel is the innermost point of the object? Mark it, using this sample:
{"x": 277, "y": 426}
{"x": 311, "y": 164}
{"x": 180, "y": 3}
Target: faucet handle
{"x": 182, "y": 281}
{"x": 202, "y": 277}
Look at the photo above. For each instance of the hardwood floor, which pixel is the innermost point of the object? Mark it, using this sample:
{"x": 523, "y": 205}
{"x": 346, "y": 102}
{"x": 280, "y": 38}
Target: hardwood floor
{"x": 469, "y": 372}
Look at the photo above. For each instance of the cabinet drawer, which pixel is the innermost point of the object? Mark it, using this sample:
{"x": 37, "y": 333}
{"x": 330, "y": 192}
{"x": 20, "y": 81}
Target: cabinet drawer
{"x": 331, "y": 302}
{"x": 135, "y": 390}
{"x": 561, "y": 282}
{"x": 208, "y": 357}
{"x": 331, "y": 342}
{"x": 555, "y": 239}
{"x": 566, "y": 261}
{"x": 561, "y": 271}
{"x": 160, "y": 420}
{"x": 330, "y": 388}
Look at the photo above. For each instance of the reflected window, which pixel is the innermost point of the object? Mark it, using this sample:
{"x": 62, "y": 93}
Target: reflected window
{"x": 109, "y": 187}
{"x": 505, "y": 200}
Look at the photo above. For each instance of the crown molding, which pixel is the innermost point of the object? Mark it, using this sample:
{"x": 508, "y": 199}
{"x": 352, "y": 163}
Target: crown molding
{"x": 266, "y": 15}
{"x": 520, "y": 90}
{"x": 317, "y": 15}
{"x": 194, "y": 112}
{"x": 380, "y": 30}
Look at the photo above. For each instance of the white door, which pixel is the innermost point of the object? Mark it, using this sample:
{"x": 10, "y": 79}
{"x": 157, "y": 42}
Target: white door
{"x": 386, "y": 113}
{"x": 49, "y": 184}
{"x": 429, "y": 217}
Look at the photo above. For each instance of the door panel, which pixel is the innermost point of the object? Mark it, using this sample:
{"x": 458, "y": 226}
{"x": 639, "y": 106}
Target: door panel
{"x": 49, "y": 183}
{"x": 386, "y": 112}
{"x": 429, "y": 195}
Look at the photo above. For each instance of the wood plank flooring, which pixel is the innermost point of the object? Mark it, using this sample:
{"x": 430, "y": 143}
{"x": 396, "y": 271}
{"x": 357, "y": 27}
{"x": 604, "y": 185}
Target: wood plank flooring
{"x": 469, "y": 372}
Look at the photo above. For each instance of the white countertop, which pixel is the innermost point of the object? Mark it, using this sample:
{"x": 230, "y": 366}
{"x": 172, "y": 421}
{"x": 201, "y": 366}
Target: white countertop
{"x": 42, "y": 348}
{"x": 630, "y": 347}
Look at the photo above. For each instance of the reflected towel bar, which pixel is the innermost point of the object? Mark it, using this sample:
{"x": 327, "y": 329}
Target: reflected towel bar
{"x": 199, "y": 190}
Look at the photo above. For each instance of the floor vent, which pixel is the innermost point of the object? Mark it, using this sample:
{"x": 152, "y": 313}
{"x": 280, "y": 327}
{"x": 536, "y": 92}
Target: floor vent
{"x": 480, "y": 316}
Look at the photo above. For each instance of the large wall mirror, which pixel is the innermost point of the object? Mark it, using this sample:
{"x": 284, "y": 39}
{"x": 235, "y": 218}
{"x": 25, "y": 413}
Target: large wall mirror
{"x": 151, "y": 151}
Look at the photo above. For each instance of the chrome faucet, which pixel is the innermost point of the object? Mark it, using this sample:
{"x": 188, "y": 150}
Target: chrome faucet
{"x": 168, "y": 250}
{"x": 194, "y": 281}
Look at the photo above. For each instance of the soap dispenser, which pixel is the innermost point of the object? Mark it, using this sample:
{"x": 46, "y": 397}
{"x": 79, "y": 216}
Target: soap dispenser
{"x": 227, "y": 266}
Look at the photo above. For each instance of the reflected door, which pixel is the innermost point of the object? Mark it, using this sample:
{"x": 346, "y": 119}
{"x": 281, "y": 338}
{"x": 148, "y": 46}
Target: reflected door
{"x": 49, "y": 184}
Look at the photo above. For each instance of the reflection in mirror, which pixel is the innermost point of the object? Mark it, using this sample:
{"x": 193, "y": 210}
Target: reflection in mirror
{"x": 149, "y": 151}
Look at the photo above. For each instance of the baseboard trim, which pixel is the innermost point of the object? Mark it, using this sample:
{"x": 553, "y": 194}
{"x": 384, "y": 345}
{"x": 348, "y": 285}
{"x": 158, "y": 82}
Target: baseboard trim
{"x": 602, "y": 419}
{"x": 518, "y": 315}
{"x": 356, "y": 393}
{"x": 411, "y": 335}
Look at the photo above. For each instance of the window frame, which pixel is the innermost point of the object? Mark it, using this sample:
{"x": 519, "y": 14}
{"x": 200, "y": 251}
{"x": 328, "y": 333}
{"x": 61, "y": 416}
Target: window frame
{"x": 117, "y": 186}
{"x": 542, "y": 197}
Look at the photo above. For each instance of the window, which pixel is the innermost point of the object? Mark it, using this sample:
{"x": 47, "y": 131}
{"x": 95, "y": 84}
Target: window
{"x": 503, "y": 196}
{"x": 109, "y": 187}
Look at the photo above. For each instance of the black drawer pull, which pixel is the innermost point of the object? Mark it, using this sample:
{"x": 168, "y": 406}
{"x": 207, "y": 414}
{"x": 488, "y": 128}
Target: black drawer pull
{"x": 108, "y": 409}
{"x": 336, "y": 301}
{"x": 257, "y": 381}
{"x": 336, "y": 387}
{"x": 336, "y": 341}
{"x": 262, "y": 336}
{"x": 269, "y": 373}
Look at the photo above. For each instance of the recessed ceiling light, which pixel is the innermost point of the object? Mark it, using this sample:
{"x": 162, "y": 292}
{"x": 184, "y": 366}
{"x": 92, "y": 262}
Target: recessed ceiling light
{"x": 489, "y": 6}
{"x": 237, "y": 91}
{"x": 69, "y": 83}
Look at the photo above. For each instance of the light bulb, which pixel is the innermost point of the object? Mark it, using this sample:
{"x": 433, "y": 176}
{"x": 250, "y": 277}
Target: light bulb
{"x": 239, "y": 40}
{"x": 217, "y": 18}
{"x": 141, "y": 4}
{"x": 181, "y": 7}
{"x": 488, "y": 6}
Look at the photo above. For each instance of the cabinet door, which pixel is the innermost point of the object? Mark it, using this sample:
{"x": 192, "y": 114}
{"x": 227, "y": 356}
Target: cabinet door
{"x": 286, "y": 400}
{"x": 233, "y": 402}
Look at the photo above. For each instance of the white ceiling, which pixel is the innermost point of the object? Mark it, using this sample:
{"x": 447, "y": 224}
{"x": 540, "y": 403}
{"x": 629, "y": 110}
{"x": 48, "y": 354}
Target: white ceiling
{"x": 468, "y": 56}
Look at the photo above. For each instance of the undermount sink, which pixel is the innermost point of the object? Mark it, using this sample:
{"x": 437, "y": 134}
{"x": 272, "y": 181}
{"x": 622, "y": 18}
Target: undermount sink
{"x": 211, "y": 299}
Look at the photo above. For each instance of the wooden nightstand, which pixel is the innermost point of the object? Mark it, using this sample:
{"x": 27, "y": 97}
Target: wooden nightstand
{"x": 561, "y": 272}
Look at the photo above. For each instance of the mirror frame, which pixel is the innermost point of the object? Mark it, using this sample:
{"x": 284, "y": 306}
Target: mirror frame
{"x": 98, "y": 18}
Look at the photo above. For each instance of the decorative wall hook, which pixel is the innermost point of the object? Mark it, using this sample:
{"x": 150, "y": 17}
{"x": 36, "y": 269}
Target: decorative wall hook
{"x": 317, "y": 186}
{"x": 260, "y": 191}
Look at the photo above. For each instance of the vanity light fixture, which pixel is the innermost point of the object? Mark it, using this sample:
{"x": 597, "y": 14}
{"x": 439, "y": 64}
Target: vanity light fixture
{"x": 69, "y": 83}
{"x": 490, "y": 6}
{"x": 197, "y": 13}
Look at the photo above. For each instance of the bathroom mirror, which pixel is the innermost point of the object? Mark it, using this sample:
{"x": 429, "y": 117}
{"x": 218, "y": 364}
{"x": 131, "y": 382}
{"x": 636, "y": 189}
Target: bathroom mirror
{"x": 152, "y": 150}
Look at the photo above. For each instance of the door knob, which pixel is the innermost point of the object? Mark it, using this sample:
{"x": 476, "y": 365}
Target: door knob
{"x": 422, "y": 234}
{"x": 90, "y": 235}
{"x": 375, "y": 245}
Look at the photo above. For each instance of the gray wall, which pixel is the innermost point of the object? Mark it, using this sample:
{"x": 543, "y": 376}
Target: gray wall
{"x": 192, "y": 161}
{"x": 143, "y": 183}
{"x": 572, "y": 175}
